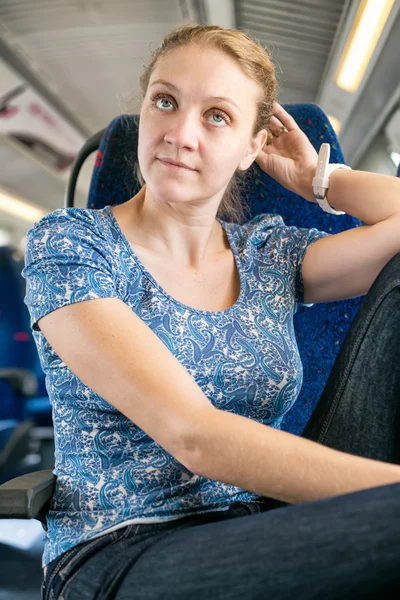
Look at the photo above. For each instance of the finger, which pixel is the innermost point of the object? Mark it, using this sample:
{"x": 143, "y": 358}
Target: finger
{"x": 284, "y": 117}
{"x": 276, "y": 129}
{"x": 276, "y": 126}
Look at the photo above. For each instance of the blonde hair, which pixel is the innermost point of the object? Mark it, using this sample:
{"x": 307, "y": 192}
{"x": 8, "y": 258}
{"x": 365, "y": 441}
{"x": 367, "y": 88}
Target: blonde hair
{"x": 255, "y": 62}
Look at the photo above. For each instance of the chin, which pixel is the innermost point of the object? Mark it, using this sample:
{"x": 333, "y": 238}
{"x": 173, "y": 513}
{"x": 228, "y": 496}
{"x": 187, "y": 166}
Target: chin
{"x": 169, "y": 191}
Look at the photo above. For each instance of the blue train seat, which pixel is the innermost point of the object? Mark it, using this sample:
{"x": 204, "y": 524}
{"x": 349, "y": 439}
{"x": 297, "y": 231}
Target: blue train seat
{"x": 320, "y": 330}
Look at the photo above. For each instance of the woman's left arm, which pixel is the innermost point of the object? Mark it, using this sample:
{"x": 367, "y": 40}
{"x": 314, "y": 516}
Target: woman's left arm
{"x": 342, "y": 265}
{"x": 370, "y": 197}
{"x": 346, "y": 264}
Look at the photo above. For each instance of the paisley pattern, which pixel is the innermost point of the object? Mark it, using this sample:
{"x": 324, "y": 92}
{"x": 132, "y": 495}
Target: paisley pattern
{"x": 245, "y": 359}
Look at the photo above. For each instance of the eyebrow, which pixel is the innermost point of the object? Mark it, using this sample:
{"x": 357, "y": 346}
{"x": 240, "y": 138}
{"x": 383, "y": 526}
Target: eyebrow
{"x": 173, "y": 87}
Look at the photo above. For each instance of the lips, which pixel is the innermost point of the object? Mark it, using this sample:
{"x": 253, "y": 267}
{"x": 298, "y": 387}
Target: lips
{"x": 175, "y": 163}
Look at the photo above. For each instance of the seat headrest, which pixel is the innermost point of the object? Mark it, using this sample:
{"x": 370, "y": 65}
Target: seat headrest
{"x": 114, "y": 180}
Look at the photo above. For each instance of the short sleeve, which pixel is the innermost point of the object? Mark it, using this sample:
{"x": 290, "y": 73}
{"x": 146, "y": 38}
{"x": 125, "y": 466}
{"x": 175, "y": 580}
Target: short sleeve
{"x": 305, "y": 238}
{"x": 67, "y": 260}
{"x": 285, "y": 247}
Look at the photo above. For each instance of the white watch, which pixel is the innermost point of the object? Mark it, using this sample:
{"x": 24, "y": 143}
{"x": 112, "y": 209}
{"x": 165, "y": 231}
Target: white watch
{"x": 320, "y": 183}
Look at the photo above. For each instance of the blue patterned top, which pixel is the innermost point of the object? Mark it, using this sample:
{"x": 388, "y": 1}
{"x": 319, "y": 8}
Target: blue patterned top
{"x": 245, "y": 359}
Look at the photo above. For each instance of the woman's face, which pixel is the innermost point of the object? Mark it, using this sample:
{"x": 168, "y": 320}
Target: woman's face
{"x": 199, "y": 110}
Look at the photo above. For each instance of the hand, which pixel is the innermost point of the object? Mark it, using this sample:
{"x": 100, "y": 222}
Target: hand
{"x": 290, "y": 158}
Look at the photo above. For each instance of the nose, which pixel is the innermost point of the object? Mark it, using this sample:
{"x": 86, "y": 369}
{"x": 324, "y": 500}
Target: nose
{"x": 183, "y": 131}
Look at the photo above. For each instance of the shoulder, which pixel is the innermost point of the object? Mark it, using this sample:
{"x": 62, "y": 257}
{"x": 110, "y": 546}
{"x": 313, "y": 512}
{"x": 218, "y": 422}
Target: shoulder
{"x": 64, "y": 224}
{"x": 68, "y": 217}
{"x": 270, "y": 230}
{"x": 262, "y": 228}
{"x": 67, "y": 233}
{"x": 256, "y": 232}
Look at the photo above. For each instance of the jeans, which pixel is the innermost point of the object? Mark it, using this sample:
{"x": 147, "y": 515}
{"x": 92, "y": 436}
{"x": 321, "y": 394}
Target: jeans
{"x": 342, "y": 547}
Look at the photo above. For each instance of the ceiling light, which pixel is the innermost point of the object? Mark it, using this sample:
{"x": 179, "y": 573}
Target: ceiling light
{"x": 17, "y": 208}
{"x": 368, "y": 25}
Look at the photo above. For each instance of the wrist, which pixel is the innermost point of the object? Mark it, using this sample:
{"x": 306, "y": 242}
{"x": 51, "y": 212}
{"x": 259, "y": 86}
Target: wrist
{"x": 305, "y": 184}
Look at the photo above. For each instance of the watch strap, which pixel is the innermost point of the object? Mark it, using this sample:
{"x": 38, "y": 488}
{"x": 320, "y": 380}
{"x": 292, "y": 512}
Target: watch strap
{"x": 320, "y": 182}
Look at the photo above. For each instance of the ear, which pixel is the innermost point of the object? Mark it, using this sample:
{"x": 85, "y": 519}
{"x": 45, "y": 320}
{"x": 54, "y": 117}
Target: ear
{"x": 256, "y": 144}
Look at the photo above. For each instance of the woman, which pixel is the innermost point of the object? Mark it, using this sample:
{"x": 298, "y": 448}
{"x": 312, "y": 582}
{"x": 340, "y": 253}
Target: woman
{"x": 158, "y": 433}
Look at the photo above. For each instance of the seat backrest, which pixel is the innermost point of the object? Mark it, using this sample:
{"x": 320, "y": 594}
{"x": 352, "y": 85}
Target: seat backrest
{"x": 17, "y": 351}
{"x": 17, "y": 346}
{"x": 320, "y": 330}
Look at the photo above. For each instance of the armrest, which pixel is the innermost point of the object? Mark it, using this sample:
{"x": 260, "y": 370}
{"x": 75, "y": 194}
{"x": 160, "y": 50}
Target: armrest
{"x": 28, "y": 496}
{"x": 23, "y": 381}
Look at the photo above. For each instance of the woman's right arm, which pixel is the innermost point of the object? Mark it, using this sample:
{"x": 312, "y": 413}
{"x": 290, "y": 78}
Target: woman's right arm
{"x": 113, "y": 352}
{"x": 118, "y": 356}
{"x": 280, "y": 465}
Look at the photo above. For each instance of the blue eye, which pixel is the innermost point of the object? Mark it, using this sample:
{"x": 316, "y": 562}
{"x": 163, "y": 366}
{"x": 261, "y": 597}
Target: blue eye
{"x": 159, "y": 99}
{"x": 219, "y": 123}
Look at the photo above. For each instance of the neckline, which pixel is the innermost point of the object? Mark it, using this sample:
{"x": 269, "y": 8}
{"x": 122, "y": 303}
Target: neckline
{"x": 225, "y": 225}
